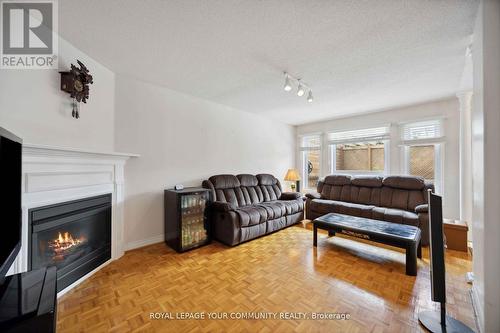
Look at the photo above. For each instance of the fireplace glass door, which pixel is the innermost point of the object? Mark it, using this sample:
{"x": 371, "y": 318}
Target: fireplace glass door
{"x": 75, "y": 237}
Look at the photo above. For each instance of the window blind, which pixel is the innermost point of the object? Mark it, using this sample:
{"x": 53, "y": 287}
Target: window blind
{"x": 422, "y": 130}
{"x": 310, "y": 142}
{"x": 362, "y": 135}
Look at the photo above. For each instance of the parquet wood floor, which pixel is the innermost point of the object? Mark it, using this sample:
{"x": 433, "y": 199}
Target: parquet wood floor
{"x": 281, "y": 272}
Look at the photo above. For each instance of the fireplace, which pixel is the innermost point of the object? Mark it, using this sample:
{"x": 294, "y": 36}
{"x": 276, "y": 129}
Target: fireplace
{"x": 74, "y": 236}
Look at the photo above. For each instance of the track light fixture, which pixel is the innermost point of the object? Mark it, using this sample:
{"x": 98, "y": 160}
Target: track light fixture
{"x": 302, "y": 88}
{"x": 288, "y": 85}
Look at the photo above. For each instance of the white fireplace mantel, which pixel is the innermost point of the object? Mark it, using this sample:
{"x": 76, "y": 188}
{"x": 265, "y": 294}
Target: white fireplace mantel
{"x": 53, "y": 175}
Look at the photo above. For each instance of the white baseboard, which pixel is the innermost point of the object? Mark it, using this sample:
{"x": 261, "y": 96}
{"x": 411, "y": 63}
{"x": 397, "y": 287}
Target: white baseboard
{"x": 478, "y": 308}
{"x": 144, "y": 242}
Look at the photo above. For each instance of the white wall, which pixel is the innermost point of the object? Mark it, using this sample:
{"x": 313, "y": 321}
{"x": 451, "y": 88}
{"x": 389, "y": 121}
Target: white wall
{"x": 183, "y": 140}
{"x": 448, "y": 109}
{"x": 33, "y": 106}
{"x": 486, "y": 166}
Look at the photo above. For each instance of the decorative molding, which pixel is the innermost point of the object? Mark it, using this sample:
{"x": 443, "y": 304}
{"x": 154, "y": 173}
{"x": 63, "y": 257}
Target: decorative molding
{"x": 465, "y": 94}
{"x": 36, "y": 149}
{"x": 53, "y": 175}
{"x": 144, "y": 242}
{"x": 51, "y": 181}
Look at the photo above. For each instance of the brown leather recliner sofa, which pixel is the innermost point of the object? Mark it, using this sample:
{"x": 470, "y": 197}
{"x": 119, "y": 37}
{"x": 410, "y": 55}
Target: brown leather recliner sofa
{"x": 245, "y": 207}
{"x": 397, "y": 199}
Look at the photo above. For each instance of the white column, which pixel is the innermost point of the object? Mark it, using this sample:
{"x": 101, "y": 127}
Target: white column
{"x": 465, "y": 100}
{"x": 118, "y": 216}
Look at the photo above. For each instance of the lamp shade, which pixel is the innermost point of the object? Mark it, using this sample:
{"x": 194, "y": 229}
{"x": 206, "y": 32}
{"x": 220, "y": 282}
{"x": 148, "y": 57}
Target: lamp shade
{"x": 292, "y": 175}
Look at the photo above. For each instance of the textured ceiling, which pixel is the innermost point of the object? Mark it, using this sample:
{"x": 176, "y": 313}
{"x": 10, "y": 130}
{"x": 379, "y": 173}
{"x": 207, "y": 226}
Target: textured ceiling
{"x": 358, "y": 56}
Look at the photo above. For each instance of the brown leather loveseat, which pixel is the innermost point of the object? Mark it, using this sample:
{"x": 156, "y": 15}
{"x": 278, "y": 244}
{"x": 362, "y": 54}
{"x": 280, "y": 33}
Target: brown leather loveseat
{"x": 397, "y": 199}
{"x": 247, "y": 206}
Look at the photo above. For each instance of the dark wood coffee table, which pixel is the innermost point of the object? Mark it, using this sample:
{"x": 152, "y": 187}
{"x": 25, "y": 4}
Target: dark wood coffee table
{"x": 399, "y": 235}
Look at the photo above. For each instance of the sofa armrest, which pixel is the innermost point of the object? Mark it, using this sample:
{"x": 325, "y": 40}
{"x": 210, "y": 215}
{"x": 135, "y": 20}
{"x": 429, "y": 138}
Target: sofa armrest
{"x": 290, "y": 195}
{"x": 222, "y": 206}
{"x": 422, "y": 208}
{"x": 313, "y": 195}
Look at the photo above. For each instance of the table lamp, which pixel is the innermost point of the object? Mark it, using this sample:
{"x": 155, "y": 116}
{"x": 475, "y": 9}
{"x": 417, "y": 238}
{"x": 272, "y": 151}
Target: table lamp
{"x": 292, "y": 175}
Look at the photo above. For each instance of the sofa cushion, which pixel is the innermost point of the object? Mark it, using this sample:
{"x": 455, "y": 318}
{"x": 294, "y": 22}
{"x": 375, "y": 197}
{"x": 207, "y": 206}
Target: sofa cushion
{"x": 399, "y": 199}
{"x": 367, "y": 181}
{"x": 270, "y": 187}
{"x": 251, "y": 215}
{"x": 404, "y": 182}
{"x": 337, "y": 180}
{"x": 275, "y": 209}
{"x": 331, "y": 192}
{"x": 362, "y": 194}
{"x": 411, "y": 219}
{"x": 349, "y": 208}
{"x": 251, "y": 192}
{"x": 226, "y": 188}
{"x": 229, "y": 195}
{"x": 224, "y": 181}
{"x": 345, "y": 193}
{"x": 293, "y": 206}
{"x": 424, "y": 208}
{"x": 313, "y": 195}
{"x": 222, "y": 206}
{"x": 290, "y": 196}
{"x": 416, "y": 198}
{"x": 247, "y": 180}
{"x": 321, "y": 206}
{"x": 267, "y": 179}
{"x": 331, "y": 206}
{"x": 395, "y": 216}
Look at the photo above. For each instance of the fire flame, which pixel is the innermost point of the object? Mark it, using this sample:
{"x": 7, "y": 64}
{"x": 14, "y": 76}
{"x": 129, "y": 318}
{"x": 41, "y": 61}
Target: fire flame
{"x": 64, "y": 241}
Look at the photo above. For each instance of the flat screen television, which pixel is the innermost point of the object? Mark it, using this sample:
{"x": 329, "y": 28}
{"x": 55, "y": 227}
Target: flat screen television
{"x": 438, "y": 322}
{"x": 437, "y": 269}
{"x": 10, "y": 199}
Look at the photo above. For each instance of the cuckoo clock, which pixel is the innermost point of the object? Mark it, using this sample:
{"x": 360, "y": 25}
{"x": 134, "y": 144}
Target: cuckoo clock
{"x": 76, "y": 82}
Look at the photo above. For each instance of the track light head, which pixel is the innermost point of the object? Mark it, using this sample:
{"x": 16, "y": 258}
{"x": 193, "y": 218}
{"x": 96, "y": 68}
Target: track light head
{"x": 287, "y": 86}
{"x": 300, "y": 90}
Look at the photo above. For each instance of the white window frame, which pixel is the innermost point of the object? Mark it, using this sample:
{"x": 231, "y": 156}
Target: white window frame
{"x": 438, "y": 163}
{"x": 439, "y": 152}
{"x": 387, "y": 148}
{"x": 304, "y": 185}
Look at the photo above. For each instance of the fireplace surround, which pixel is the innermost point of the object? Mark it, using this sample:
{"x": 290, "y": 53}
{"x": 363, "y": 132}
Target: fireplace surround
{"x": 74, "y": 236}
{"x": 57, "y": 176}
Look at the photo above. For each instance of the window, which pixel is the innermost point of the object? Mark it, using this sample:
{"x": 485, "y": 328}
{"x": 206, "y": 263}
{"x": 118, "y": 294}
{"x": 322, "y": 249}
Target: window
{"x": 310, "y": 155}
{"x": 361, "y": 151}
{"x": 422, "y": 130}
{"x": 423, "y": 146}
{"x": 422, "y": 161}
